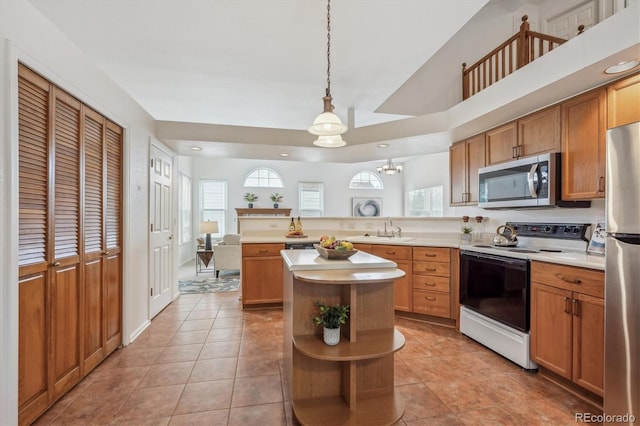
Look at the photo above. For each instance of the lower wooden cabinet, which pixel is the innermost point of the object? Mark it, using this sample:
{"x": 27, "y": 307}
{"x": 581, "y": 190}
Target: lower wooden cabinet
{"x": 431, "y": 281}
{"x": 402, "y": 256}
{"x": 261, "y": 274}
{"x": 567, "y": 323}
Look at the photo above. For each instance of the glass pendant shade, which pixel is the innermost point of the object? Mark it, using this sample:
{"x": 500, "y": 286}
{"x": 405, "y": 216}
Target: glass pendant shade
{"x": 327, "y": 124}
{"x": 330, "y": 141}
{"x": 389, "y": 168}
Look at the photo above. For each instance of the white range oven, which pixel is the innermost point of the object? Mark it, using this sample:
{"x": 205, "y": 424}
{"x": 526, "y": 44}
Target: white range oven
{"x": 495, "y": 287}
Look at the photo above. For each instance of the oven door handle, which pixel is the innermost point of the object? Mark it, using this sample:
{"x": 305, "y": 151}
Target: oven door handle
{"x": 496, "y": 260}
{"x": 533, "y": 180}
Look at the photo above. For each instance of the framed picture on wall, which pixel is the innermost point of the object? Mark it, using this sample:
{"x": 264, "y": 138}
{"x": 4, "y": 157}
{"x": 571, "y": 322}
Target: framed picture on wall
{"x": 366, "y": 207}
{"x": 598, "y": 237}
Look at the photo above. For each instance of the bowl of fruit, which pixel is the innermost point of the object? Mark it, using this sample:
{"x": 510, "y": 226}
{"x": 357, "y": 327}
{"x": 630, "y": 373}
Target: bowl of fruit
{"x": 331, "y": 248}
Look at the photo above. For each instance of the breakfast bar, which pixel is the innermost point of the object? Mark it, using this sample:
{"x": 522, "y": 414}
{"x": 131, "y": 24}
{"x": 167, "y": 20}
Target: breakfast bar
{"x": 353, "y": 381}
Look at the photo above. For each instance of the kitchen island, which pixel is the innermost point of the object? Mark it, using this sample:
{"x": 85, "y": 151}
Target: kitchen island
{"x": 353, "y": 381}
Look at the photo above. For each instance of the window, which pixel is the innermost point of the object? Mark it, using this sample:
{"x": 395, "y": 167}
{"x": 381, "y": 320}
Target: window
{"x": 365, "y": 180}
{"x": 213, "y": 203}
{"x": 426, "y": 202}
{"x": 311, "y": 196}
{"x": 185, "y": 209}
{"x": 263, "y": 177}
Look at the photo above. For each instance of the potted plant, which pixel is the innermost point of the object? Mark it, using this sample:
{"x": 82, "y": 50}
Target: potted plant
{"x": 250, "y": 198}
{"x": 331, "y": 317}
{"x": 466, "y": 233}
{"x": 276, "y": 198}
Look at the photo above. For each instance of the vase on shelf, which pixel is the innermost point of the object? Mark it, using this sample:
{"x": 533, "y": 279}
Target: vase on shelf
{"x": 275, "y": 206}
{"x": 331, "y": 336}
{"x": 250, "y": 205}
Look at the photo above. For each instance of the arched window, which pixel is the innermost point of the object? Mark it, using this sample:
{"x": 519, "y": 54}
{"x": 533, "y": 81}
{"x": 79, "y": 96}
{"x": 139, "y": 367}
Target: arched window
{"x": 263, "y": 177}
{"x": 365, "y": 180}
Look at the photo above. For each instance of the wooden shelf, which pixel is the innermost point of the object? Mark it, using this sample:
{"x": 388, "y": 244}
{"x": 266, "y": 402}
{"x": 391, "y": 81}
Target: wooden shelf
{"x": 263, "y": 212}
{"x": 370, "y": 344}
{"x": 376, "y": 409}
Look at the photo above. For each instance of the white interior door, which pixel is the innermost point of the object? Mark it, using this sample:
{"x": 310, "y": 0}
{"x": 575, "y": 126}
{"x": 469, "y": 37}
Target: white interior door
{"x": 161, "y": 234}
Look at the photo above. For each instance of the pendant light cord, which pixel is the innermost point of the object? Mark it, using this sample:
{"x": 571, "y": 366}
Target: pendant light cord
{"x": 328, "y": 47}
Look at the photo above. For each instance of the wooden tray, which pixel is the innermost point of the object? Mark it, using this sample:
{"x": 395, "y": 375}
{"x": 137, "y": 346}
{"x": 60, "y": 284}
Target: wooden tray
{"x": 334, "y": 254}
{"x": 295, "y": 236}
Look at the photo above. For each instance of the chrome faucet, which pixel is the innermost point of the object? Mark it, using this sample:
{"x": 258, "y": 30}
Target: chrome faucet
{"x": 386, "y": 233}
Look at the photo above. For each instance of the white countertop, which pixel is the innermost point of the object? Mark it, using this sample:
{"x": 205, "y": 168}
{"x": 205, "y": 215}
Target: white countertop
{"x": 310, "y": 260}
{"x": 569, "y": 257}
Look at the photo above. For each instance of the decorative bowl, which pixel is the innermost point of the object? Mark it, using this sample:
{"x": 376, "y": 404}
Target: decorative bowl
{"x": 333, "y": 253}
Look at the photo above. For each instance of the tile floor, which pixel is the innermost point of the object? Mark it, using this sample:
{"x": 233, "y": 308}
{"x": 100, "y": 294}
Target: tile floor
{"x": 204, "y": 361}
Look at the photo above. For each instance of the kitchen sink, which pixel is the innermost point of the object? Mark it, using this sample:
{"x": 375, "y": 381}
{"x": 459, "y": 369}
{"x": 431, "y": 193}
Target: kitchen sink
{"x": 376, "y": 238}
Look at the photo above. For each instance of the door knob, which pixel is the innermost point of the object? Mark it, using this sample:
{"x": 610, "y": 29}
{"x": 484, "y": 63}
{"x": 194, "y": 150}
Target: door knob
{"x": 55, "y": 264}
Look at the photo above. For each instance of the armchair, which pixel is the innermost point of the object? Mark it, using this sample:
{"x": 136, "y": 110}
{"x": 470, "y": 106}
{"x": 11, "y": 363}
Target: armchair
{"x": 227, "y": 255}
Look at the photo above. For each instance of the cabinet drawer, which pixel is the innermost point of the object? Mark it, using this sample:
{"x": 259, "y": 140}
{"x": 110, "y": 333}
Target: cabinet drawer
{"x": 431, "y": 283}
{"x": 391, "y": 252}
{"x": 262, "y": 249}
{"x": 431, "y": 303}
{"x": 581, "y": 280}
{"x": 432, "y": 254}
{"x": 431, "y": 268}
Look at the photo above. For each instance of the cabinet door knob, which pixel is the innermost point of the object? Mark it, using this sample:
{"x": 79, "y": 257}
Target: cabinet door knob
{"x": 570, "y": 280}
{"x": 430, "y": 269}
{"x": 430, "y": 284}
{"x": 576, "y": 307}
{"x": 430, "y": 298}
{"x": 429, "y": 255}
{"x": 55, "y": 263}
{"x": 106, "y": 253}
{"x": 567, "y": 307}
{"x": 601, "y": 184}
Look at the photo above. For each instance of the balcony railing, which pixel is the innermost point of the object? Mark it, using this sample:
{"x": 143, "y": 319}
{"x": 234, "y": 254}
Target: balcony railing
{"x": 520, "y": 49}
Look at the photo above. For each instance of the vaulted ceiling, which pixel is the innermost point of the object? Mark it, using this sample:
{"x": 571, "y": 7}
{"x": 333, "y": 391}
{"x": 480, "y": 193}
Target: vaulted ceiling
{"x": 245, "y": 78}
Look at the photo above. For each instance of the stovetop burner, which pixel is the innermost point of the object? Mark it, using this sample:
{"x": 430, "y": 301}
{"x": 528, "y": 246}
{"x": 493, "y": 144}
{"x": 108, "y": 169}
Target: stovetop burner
{"x": 536, "y": 238}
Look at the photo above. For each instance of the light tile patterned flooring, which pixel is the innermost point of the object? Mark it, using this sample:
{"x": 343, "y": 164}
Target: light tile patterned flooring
{"x": 204, "y": 361}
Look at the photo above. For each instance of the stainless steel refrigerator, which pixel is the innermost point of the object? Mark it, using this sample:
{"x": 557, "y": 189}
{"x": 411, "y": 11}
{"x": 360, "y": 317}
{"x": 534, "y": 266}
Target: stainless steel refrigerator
{"x": 622, "y": 276}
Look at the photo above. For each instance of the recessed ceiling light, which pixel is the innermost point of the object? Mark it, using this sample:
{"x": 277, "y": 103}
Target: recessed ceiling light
{"x": 383, "y": 145}
{"x": 284, "y": 154}
{"x": 196, "y": 148}
{"x": 621, "y": 67}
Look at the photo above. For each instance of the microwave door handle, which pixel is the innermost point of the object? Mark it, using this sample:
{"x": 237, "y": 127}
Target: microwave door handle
{"x": 533, "y": 174}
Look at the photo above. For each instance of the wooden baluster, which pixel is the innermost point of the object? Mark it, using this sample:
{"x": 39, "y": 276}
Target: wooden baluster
{"x": 465, "y": 82}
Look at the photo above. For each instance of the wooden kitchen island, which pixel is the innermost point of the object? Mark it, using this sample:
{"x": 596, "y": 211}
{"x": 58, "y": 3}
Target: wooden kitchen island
{"x": 352, "y": 382}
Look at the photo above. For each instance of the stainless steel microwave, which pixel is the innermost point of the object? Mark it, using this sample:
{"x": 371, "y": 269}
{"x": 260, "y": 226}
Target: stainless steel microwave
{"x": 526, "y": 182}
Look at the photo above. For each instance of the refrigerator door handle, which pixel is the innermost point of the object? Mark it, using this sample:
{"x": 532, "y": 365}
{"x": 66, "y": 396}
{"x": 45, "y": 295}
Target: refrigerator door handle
{"x": 633, "y": 239}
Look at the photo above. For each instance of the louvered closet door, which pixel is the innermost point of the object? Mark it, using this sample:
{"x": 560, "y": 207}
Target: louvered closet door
{"x": 65, "y": 273}
{"x": 33, "y": 352}
{"x": 93, "y": 306}
{"x": 113, "y": 235}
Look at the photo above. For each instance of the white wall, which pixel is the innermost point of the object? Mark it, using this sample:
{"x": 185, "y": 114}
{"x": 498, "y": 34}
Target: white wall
{"x": 336, "y": 177}
{"x": 27, "y": 37}
{"x": 185, "y": 250}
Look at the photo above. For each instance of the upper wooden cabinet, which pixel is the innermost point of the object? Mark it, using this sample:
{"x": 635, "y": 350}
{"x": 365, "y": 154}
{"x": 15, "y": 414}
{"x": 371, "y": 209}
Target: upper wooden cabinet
{"x": 536, "y": 133}
{"x": 623, "y": 102}
{"x": 502, "y": 143}
{"x": 540, "y": 132}
{"x": 465, "y": 158}
{"x": 583, "y": 146}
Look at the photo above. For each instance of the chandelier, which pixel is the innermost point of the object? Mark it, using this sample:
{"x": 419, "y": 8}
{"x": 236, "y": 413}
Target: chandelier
{"x": 389, "y": 168}
{"x": 327, "y": 126}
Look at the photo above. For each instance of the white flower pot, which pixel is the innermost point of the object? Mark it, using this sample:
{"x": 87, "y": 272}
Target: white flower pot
{"x": 331, "y": 336}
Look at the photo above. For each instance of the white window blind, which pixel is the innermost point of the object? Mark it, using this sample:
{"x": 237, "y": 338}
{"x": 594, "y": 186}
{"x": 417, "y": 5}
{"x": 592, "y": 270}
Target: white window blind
{"x": 263, "y": 177}
{"x": 185, "y": 209}
{"x": 213, "y": 204}
{"x": 311, "y": 196}
{"x": 365, "y": 180}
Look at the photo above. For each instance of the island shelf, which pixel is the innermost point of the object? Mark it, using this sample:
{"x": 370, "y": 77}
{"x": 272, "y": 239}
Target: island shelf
{"x": 351, "y": 383}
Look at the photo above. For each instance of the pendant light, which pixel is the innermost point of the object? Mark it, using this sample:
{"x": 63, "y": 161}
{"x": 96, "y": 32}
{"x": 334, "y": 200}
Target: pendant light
{"x": 389, "y": 168}
{"x": 328, "y": 125}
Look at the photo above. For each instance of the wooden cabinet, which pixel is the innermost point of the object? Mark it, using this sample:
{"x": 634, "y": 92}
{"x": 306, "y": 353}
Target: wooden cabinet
{"x": 533, "y": 134}
{"x": 502, "y": 143}
{"x": 432, "y": 281}
{"x": 540, "y": 132}
{"x": 351, "y": 383}
{"x": 567, "y": 322}
{"x": 70, "y": 228}
{"x": 623, "y": 101}
{"x": 583, "y": 146}
{"x": 402, "y": 255}
{"x": 465, "y": 158}
{"x": 261, "y": 275}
